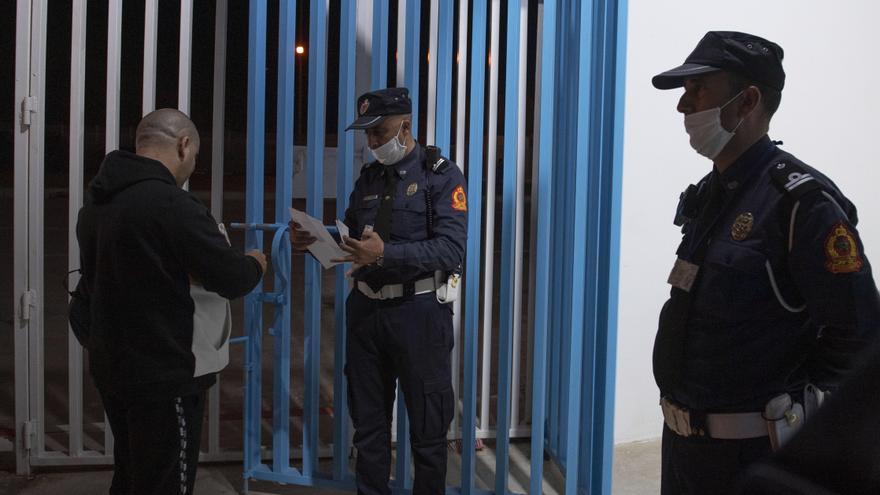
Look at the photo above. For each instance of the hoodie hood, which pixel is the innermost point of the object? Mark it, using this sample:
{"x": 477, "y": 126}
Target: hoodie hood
{"x": 122, "y": 169}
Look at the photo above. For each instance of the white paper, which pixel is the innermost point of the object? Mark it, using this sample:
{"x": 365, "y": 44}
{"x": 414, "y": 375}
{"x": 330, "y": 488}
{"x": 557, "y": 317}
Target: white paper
{"x": 325, "y": 248}
{"x": 342, "y": 228}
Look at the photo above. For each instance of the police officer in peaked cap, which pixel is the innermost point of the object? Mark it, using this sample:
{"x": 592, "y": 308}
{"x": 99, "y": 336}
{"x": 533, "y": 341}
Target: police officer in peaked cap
{"x": 771, "y": 293}
{"x": 407, "y": 216}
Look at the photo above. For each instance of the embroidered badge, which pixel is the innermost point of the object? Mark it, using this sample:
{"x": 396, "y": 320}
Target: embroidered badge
{"x": 842, "y": 251}
{"x": 742, "y": 226}
{"x": 412, "y": 188}
{"x": 459, "y": 200}
{"x": 364, "y": 106}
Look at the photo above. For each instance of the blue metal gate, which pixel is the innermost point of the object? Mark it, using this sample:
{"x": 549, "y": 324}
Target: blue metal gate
{"x": 575, "y": 194}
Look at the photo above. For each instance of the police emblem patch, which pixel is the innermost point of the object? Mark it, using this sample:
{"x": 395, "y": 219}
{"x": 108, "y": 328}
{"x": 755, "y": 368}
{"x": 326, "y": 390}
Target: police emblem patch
{"x": 742, "y": 226}
{"x": 842, "y": 251}
{"x": 412, "y": 188}
{"x": 459, "y": 199}
{"x": 365, "y": 105}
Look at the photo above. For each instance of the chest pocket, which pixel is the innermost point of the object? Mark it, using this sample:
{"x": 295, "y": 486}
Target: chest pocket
{"x": 408, "y": 218}
{"x": 734, "y": 283}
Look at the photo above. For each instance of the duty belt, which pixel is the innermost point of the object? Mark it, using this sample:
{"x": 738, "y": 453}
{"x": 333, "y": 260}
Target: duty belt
{"x": 393, "y": 291}
{"x": 727, "y": 426}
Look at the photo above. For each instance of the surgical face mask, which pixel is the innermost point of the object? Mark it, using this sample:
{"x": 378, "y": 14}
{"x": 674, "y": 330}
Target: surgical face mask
{"x": 391, "y": 152}
{"x": 708, "y": 136}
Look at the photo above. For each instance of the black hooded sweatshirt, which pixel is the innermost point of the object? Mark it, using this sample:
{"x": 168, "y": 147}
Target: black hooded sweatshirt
{"x": 141, "y": 237}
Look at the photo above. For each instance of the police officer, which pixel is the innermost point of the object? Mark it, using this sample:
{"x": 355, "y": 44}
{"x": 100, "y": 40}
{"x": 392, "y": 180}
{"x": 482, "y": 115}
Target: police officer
{"x": 771, "y": 294}
{"x": 407, "y": 216}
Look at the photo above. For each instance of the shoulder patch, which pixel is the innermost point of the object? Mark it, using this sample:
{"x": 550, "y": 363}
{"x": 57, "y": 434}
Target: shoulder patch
{"x": 794, "y": 179}
{"x": 842, "y": 250}
{"x": 459, "y": 199}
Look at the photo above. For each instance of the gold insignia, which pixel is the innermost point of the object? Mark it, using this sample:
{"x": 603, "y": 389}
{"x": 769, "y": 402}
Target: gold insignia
{"x": 742, "y": 226}
{"x": 364, "y": 106}
{"x": 842, "y": 250}
{"x": 459, "y": 200}
{"x": 412, "y": 188}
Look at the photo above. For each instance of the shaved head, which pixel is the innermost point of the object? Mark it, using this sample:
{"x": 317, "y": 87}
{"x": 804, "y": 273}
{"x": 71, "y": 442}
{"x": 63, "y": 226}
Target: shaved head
{"x": 161, "y": 128}
{"x": 169, "y": 136}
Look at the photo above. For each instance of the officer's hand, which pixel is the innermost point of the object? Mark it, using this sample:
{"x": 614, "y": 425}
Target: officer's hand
{"x": 259, "y": 256}
{"x": 363, "y": 252}
{"x": 299, "y": 239}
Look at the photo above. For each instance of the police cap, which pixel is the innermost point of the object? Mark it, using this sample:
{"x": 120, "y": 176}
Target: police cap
{"x": 374, "y": 106}
{"x": 746, "y": 54}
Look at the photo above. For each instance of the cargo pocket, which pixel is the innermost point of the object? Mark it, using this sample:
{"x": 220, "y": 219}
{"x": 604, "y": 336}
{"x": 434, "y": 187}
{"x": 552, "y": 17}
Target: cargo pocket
{"x": 438, "y": 408}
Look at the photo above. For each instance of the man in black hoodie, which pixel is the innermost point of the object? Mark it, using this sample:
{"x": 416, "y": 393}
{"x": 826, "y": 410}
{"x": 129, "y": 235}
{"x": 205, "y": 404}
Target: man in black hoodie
{"x": 142, "y": 239}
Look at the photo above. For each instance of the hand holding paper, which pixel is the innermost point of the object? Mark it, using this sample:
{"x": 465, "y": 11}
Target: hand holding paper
{"x": 324, "y": 248}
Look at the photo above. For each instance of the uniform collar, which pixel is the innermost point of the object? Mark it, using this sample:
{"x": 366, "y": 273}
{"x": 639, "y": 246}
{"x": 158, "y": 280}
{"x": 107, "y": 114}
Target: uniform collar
{"x": 405, "y": 166}
{"x": 740, "y": 171}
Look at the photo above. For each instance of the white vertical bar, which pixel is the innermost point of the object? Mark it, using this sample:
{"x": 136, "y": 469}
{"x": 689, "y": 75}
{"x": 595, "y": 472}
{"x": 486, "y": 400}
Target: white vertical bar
{"x": 219, "y": 113}
{"x": 151, "y": 33}
{"x": 36, "y": 220}
{"x": 217, "y": 139}
{"x": 114, "y": 49}
{"x": 400, "y": 59}
{"x": 20, "y": 229}
{"x": 185, "y": 61}
{"x": 114, "y": 60}
{"x": 533, "y": 237}
{"x": 520, "y": 211}
{"x": 75, "y": 195}
{"x": 489, "y": 229}
{"x": 460, "y": 153}
{"x": 430, "y": 128}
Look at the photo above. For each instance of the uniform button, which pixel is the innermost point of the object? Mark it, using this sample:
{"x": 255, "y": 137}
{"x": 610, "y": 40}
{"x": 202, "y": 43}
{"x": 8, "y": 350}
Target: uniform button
{"x": 732, "y": 185}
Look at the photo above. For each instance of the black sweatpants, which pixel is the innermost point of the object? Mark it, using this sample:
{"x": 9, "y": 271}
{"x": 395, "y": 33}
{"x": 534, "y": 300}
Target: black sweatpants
{"x": 409, "y": 339}
{"x": 156, "y": 449}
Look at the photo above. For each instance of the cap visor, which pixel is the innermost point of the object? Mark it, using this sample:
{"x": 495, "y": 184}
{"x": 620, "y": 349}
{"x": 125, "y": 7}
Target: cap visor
{"x": 674, "y": 78}
{"x": 365, "y": 122}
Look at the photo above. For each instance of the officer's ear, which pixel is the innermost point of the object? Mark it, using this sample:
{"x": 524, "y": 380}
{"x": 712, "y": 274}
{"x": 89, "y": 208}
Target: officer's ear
{"x": 751, "y": 101}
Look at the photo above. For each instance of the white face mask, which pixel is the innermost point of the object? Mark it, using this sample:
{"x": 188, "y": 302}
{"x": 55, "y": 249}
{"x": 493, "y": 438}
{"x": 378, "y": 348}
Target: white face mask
{"x": 708, "y": 136}
{"x": 391, "y": 152}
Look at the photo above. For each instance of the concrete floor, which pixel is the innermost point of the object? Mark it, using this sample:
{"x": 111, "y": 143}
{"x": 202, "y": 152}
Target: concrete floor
{"x": 636, "y": 471}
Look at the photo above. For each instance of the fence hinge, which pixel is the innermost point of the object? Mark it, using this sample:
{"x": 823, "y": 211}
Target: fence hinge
{"x": 29, "y": 434}
{"x": 28, "y": 106}
{"x": 28, "y": 301}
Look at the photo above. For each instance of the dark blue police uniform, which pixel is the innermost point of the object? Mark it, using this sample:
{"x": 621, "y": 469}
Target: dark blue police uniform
{"x": 408, "y": 337}
{"x": 783, "y": 296}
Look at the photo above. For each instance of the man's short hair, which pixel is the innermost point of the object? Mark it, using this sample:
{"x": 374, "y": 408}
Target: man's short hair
{"x": 162, "y": 127}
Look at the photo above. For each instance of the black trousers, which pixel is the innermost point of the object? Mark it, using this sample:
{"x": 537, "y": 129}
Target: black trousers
{"x": 703, "y": 466}
{"x": 156, "y": 444}
{"x": 409, "y": 339}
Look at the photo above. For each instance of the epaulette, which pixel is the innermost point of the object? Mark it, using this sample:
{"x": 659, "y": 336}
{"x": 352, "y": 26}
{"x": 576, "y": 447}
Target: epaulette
{"x": 433, "y": 160}
{"x": 794, "y": 179}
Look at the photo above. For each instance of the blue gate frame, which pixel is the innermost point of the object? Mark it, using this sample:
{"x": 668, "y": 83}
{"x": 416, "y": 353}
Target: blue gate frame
{"x": 577, "y": 195}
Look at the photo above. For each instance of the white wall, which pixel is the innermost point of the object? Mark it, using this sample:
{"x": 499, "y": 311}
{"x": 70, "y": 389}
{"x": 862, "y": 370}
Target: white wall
{"x": 828, "y": 118}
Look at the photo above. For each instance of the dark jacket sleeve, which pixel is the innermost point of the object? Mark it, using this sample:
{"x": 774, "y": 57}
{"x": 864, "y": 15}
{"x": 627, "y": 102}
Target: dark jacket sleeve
{"x": 205, "y": 253}
{"x": 828, "y": 264}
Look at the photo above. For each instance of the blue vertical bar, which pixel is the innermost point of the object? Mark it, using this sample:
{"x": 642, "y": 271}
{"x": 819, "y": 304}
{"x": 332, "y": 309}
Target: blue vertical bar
{"x": 614, "y": 69}
{"x": 475, "y": 213}
{"x": 445, "y": 32}
{"x": 315, "y": 208}
{"x": 344, "y": 164}
{"x": 256, "y": 137}
{"x": 580, "y": 285}
{"x": 508, "y": 245}
{"x": 283, "y": 198}
{"x": 411, "y": 81}
{"x": 542, "y": 267}
{"x": 413, "y": 57}
{"x": 379, "y": 56}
